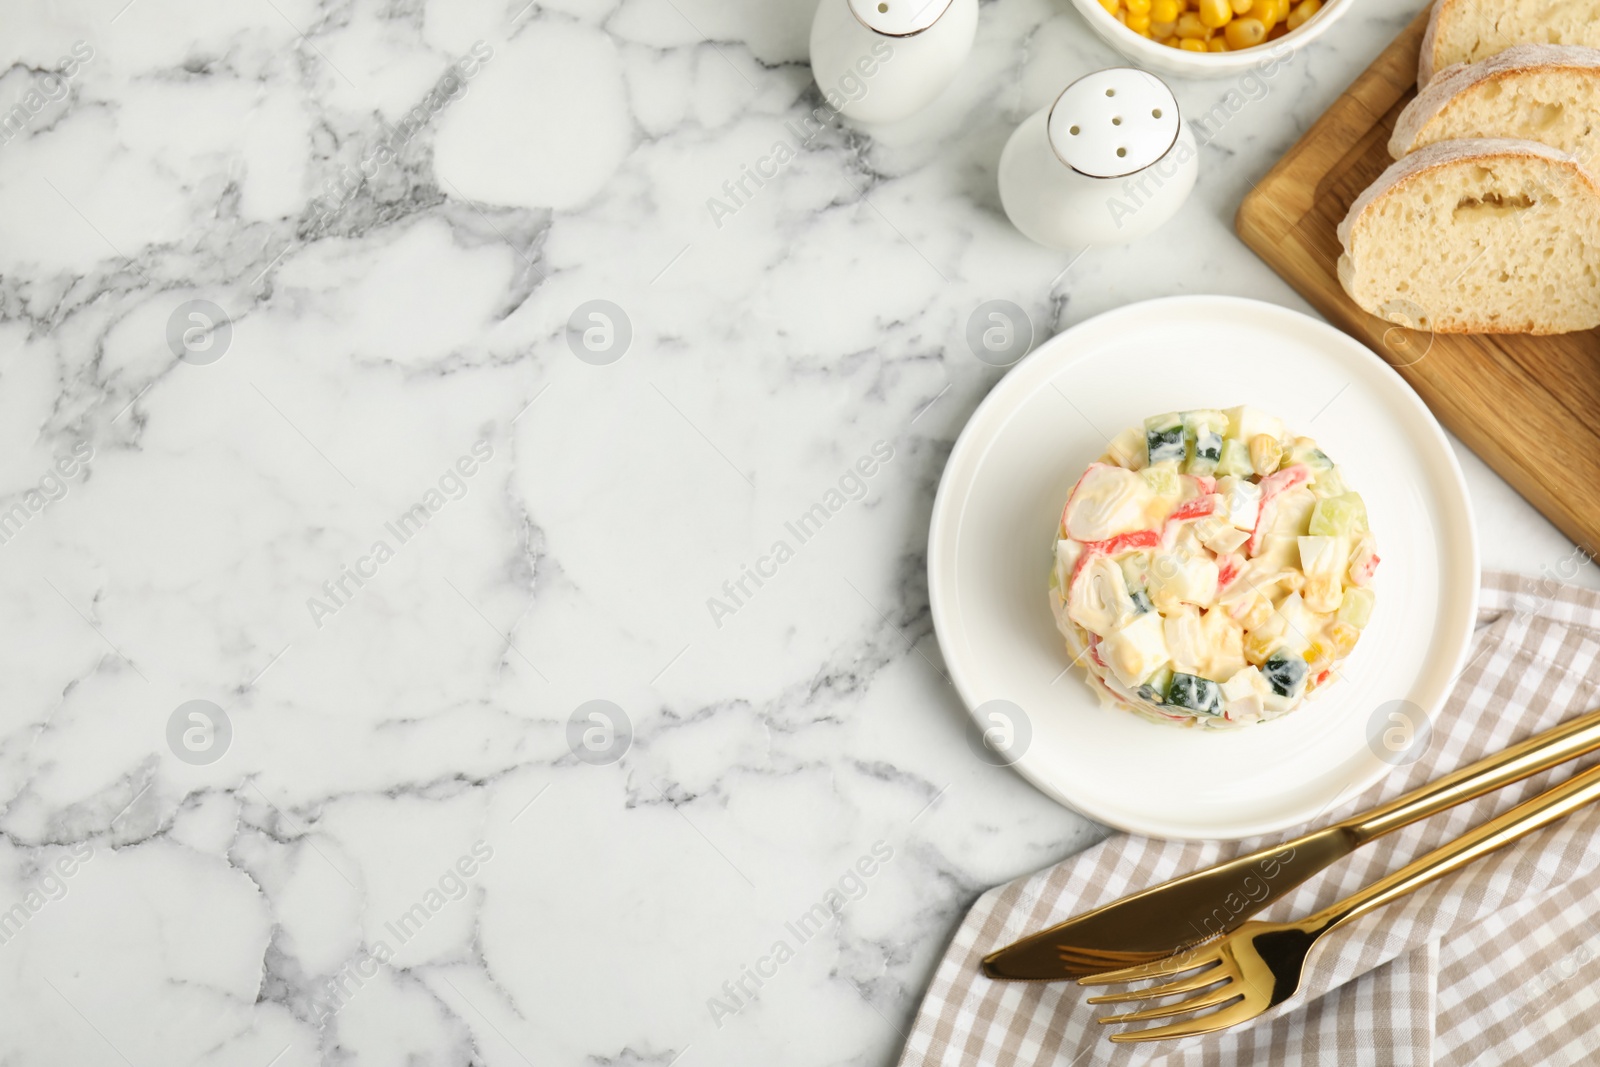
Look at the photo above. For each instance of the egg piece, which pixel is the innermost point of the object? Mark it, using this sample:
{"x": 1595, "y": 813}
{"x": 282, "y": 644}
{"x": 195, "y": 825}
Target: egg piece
{"x": 1241, "y": 501}
{"x": 1246, "y": 692}
{"x": 1225, "y": 539}
{"x": 1290, "y": 511}
{"x": 1224, "y": 644}
{"x": 1323, "y": 559}
{"x": 1186, "y": 643}
{"x": 1177, "y": 578}
{"x": 1245, "y": 422}
{"x": 1127, "y": 449}
{"x": 1137, "y": 650}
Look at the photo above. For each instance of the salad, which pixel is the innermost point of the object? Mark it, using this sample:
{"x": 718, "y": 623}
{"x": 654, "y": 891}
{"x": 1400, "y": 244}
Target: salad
{"x": 1212, "y": 568}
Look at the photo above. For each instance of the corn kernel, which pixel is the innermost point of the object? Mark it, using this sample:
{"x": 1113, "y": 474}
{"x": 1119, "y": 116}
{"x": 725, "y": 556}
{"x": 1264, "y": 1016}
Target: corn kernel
{"x": 1215, "y": 13}
{"x": 1302, "y": 11}
{"x": 1190, "y": 26}
{"x": 1344, "y": 638}
{"x": 1241, "y": 7}
{"x": 1258, "y": 648}
{"x": 1265, "y": 12}
{"x": 1259, "y": 612}
{"x": 1137, "y": 7}
{"x": 1216, "y": 44}
{"x": 1139, "y": 24}
{"x": 1318, "y": 657}
{"x": 1283, "y": 9}
{"x": 1121, "y": 17}
{"x": 1163, "y": 31}
{"x": 1245, "y": 33}
{"x": 1323, "y": 593}
{"x": 1265, "y": 451}
{"x": 1111, "y": 6}
{"x": 1164, "y": 11}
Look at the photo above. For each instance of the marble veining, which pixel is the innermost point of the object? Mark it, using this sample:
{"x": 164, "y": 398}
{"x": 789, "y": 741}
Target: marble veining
{"x": 400, "y": 666}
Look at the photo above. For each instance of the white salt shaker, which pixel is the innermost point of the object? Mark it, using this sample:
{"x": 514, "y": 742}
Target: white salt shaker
{"x": 882, "y": 60}
{"x": 1108, "y": 162}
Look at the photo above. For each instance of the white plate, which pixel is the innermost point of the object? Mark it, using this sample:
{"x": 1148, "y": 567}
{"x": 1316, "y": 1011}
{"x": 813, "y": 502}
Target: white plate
{"x": 991, "y": 542}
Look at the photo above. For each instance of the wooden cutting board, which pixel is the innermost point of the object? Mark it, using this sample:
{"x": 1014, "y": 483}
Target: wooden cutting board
{"x": 1530, "y": 406}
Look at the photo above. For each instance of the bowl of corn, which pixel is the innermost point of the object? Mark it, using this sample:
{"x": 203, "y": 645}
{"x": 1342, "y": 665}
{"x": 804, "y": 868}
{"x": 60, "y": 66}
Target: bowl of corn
{"x": 1208, "y": 38}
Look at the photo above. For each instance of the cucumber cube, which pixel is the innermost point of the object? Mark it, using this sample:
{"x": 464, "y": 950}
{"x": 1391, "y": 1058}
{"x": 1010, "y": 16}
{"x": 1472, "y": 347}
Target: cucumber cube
{"x": 1196, "y": 694}
{"x": 1202, "y": 419}
{"x": 1164, "y": 438}
{"x": 1329, "y": 483}
{"x": 1204, "y": 429}
{"x": 1234, "y": 459}
{"x": 1207, "y": 451}
{"x": 1356, "y": 608}
{"x": 1286, "y": 673}
{"x": 1339, "y": 516}
{"x": 1310, "y": 455}
{"x": 1163, "y": 481}
{"x": 1154, "y": 688}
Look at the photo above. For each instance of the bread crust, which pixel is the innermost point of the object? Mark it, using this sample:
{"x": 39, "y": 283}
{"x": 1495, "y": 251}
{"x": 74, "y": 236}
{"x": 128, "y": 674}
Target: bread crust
{"x": 1431, "y": 157}
{"x": 1460, "y": 77}
{"x": 1425, "y": 61}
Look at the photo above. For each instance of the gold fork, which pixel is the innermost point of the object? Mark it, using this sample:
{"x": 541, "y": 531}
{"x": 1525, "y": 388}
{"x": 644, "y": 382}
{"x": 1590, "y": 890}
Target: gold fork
{"x": 1258, "y": 965}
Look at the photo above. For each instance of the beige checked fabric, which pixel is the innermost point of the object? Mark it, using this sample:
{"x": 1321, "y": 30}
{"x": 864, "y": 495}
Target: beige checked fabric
{"x": 1496, "y": 964}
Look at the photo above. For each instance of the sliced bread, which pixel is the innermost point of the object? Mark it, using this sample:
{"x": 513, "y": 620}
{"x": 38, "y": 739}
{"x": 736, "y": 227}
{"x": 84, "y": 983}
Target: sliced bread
{"x": 1477, "y": 236}
{"x": 1538, "y": 92}
{"x": 1465, "y": 31}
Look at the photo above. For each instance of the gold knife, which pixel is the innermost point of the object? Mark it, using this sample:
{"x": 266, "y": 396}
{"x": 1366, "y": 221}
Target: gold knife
{"x": 1175, "y": 915}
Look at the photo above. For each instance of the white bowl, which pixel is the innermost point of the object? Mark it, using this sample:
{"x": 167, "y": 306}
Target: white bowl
{"x": 1174, "y": 61}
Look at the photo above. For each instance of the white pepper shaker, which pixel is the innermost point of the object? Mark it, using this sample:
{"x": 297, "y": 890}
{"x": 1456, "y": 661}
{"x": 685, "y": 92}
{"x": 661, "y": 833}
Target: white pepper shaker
{"x": 1108, "y": 162}
{"x": 882, "y": 60}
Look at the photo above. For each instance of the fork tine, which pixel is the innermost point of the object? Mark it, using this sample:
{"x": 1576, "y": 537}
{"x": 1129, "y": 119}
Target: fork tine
{"x": 1232, "y": 1015}
{"x": 1183, "y": 985}
{"x": 1187, "y": 960}
{"x": 1227, "y": 991}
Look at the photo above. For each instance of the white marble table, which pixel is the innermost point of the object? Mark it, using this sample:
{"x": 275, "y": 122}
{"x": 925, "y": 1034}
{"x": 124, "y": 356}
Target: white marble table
{"x": 375, "y": 840}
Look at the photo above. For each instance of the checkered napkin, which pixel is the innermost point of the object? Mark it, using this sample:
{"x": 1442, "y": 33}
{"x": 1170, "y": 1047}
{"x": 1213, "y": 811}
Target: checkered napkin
{"x": 1495, "y": 964}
